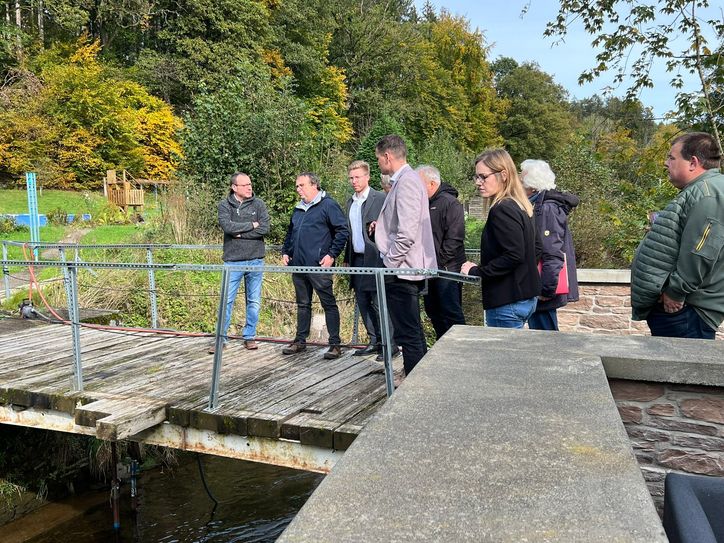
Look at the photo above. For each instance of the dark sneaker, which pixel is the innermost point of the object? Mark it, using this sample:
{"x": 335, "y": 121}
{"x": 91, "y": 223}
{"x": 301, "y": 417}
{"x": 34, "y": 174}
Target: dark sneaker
{"x": 251, "y": 344}
{"x": 212, "y": 349}
{"x": 334, "y": 352}
{"x": 294, "y": 348}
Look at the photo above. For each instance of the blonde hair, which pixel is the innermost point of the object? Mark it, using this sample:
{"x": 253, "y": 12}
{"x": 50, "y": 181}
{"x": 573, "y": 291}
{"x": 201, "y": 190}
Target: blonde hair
{"x": 499, "y": 161}
{"x": 359, "y": 164}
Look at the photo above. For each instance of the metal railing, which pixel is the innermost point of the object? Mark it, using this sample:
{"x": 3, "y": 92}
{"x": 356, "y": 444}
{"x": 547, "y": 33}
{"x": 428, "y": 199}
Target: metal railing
{"x": 70, "y": 270}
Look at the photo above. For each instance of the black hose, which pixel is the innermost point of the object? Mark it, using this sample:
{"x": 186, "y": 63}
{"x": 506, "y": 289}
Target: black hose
{"x": 203, "y": 480}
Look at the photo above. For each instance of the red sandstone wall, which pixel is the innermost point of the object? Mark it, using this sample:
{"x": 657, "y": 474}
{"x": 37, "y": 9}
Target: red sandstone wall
{"x": 604, "y": 309}
{"x": 672, "y": 428}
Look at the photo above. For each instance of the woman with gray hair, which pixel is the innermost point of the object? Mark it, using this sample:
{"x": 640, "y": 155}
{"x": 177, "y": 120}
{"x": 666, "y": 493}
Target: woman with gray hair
{"x": 551, "y": 209}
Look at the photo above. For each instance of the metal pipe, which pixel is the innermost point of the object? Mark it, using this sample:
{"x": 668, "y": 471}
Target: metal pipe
{"x": 74, "y": 314}
{"x": 219, "y": 340}
{"x": 152, "y": 288}
{"x": 6, "y": 272}
{"x": 385, "y": 331}
{"x": 66, "y": 277}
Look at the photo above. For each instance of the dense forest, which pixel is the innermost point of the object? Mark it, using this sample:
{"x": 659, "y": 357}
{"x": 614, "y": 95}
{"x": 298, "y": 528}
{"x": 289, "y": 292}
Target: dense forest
{"x": 194, "y": 90}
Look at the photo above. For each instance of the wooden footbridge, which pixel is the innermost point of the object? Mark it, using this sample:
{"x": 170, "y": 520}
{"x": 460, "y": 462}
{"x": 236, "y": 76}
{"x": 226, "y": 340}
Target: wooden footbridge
{"x": 297, "y": 410}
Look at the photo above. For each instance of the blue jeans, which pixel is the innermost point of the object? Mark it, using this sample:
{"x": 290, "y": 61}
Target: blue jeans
{"x": 252, "y": 289}
{"x": 684, "y": 323}
{"x": 512, "y": 315}
{"x": 544, "y": 320}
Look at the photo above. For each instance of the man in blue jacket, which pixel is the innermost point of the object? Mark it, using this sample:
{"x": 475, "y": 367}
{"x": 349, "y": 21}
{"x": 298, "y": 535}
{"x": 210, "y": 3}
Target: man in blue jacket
{"x": 316, "y": 235}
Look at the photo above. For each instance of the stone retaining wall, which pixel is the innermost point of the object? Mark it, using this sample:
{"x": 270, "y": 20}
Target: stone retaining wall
{"x": 604, "y": 306}
{"x": 672, "y": 428}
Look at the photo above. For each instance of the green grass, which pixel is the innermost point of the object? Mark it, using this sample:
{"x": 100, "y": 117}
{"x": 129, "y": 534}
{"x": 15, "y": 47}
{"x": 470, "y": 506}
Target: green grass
{"x": 16, "y": 201}
{"x": 48, "y": 234}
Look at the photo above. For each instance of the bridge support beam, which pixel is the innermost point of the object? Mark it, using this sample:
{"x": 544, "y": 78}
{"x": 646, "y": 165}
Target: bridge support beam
{"x": 290, "y": 454}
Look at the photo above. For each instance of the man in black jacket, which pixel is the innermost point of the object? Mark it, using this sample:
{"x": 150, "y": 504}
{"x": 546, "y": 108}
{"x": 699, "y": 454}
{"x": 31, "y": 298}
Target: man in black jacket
{"x": 443, "y": 301}
{"x": 244, "y": 220}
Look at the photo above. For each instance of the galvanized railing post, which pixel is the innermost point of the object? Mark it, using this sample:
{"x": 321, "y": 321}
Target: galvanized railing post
{"x": 74, "y": 314}
{"x": 219, "y": 340}
{"x": 6, "y": 272}
{"x": 66, "y": 277}
{"x": 355, "y": 324}
{"x": 385, "y": 331}
{"x": 152, "y": 288}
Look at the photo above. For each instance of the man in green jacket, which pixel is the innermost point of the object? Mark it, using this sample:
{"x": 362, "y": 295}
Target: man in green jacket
{"x": 677, "y": 277}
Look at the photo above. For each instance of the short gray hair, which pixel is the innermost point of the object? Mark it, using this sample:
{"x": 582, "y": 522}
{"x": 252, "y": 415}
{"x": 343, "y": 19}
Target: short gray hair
{"x": 385, "y": 180}
{"x": 431, "y": 173}
{"x": 537, "y": 175}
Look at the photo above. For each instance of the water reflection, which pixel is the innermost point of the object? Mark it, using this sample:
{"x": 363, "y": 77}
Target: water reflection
{"x": 256, "y": 502}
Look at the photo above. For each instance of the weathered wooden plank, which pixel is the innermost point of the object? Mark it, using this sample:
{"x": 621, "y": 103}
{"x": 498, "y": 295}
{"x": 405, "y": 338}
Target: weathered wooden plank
{"x": 347, "y": 432}
{"x": 268, "y": 420}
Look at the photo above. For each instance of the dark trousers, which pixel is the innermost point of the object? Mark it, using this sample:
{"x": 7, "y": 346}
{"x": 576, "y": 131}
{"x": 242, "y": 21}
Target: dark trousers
{"x": 684, "y": 323}
{"x": 544, "y": 320}
{"x": 403, "y": 306}
{"x": 444, "y": 304}
{"x": 321, "y": 283}
{"x": 366, "y": 296}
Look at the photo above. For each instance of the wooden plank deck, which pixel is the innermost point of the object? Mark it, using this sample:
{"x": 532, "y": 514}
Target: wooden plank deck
{"x": 136, "y": 381}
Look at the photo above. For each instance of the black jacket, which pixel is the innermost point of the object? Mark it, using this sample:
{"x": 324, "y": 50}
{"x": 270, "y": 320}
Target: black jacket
{"x": 372, "y": 259}
{"x": 551, "y": 209}
{"x": 447, "y": 218}
{"x": 509, "y": 254}
{"x": 241, "y": 240}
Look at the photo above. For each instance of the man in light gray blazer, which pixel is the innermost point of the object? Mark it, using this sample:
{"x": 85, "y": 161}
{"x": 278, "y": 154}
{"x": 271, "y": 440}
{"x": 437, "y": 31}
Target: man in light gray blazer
{"x": 403, "y": 235}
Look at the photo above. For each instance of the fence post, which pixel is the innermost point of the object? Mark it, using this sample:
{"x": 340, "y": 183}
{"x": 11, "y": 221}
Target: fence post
{"x": 355, "y": 323}
{"x": 152, "y": 288}
{"x": 219, "y": 340}
{"x": 66, "y": 276}
{"x": 6, "y": 272}
{"x": 385, "y": 331}
{"x": 74, "y": 314}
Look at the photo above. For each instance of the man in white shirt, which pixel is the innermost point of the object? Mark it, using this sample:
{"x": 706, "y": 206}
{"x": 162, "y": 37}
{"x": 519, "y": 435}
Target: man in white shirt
{"x": 363, "y": 208}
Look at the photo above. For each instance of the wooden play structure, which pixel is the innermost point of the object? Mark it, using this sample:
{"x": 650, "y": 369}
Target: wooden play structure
{"x": 127, "y": 191}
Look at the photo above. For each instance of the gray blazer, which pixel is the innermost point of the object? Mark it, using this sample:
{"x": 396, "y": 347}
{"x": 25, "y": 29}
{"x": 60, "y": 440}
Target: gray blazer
{"x": 403, "y": 234}
{"x": 370, "y": 211}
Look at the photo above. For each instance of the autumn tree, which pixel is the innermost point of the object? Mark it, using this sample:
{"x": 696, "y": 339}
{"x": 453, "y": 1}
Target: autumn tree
{"x": 631, "y": 36}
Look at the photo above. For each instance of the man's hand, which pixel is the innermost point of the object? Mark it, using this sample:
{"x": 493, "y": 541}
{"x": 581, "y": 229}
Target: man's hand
{"x": 466, "y": 267}
{"x": 285, "y": 260}
{"x": 670, "y": 306}
{"x": 544, "y": 298}
{"x": 255, "y": 224}
{"x": 326, "y": 262}
{"x": 371, "y": 228}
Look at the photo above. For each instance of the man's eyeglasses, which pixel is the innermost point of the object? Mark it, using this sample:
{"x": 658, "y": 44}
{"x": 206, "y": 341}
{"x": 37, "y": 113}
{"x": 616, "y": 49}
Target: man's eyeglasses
{"x": 482, "y": 178}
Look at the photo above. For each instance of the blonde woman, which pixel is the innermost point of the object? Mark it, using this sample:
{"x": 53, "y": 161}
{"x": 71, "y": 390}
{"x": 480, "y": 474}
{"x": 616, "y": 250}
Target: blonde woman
{"x": 509, "y": 249}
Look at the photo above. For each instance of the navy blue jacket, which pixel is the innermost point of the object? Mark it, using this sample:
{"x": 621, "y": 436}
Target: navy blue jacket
{"x": 320, "y": 230}
{"x": 551, "y": 209}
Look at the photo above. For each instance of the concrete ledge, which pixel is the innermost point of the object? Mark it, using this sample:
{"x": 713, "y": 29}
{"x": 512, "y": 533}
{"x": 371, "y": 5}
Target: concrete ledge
{"x": 592, "y": 275}
{"x": 498, "y": 435}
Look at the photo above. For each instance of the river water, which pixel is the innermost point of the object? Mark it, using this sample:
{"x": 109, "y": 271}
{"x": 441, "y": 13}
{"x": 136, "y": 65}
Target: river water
{"x": 256, "y": 503}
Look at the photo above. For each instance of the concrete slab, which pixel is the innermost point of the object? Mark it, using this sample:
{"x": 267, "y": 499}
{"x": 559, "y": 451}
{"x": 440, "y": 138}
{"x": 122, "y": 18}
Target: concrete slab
{"x": 498, "y": 435}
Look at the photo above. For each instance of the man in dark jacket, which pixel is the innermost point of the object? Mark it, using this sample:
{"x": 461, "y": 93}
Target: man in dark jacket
{"x": 363, "y": 208}
{"x": 550, "y": 210}
{"x": 443, "y": 301}
{"x": 244, "y": 220}
{"x": 316, "y": 235}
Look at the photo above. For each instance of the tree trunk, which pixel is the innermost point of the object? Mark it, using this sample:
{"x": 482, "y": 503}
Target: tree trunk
{"x": 19, "y": 24}
{"x": 41, "y": 27}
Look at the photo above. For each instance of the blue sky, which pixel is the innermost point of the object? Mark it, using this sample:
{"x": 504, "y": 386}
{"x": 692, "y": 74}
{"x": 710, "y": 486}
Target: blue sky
{"x": 521, "y": 37}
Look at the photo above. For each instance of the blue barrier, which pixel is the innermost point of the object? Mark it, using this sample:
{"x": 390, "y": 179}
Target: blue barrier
{"x": 23, "y": 219}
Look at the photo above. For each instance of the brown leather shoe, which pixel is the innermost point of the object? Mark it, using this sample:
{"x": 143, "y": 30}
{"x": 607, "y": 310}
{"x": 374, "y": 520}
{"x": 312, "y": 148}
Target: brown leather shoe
{"x": 251, "y": 344}
{"x": 294, "y": 348}
{"x": 212, "y": 349}
{"x": 335, "y": 351}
